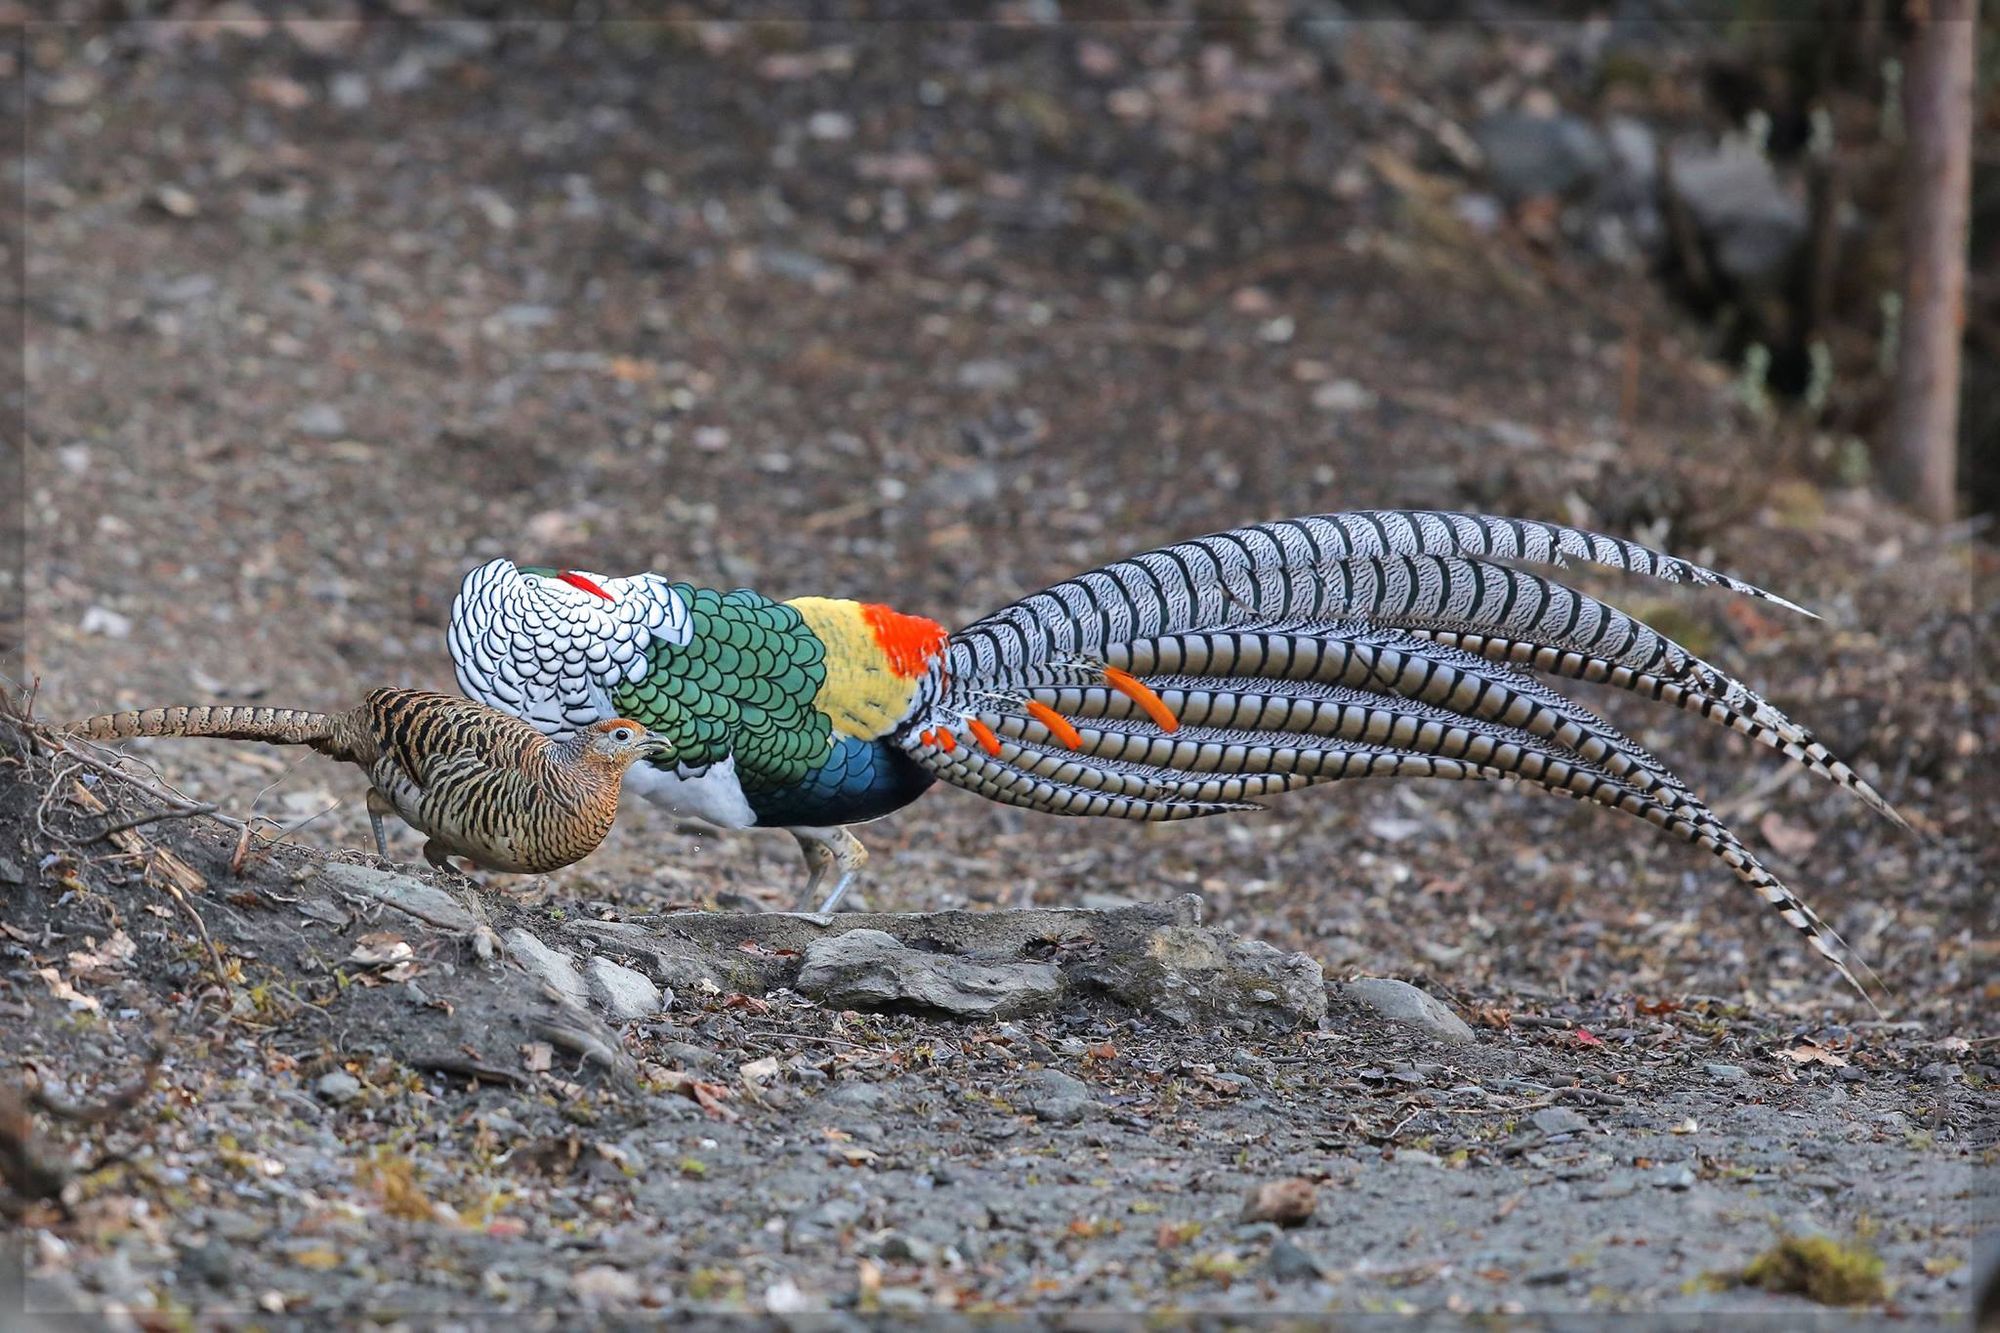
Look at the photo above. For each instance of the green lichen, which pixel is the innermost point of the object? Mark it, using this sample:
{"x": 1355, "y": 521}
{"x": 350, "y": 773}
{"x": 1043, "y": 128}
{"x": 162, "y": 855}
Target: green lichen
{"x": 1821, "y": 1269}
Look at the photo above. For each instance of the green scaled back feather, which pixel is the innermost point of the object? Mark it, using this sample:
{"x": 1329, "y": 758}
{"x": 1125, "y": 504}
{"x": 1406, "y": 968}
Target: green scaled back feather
{"x": 743, "y": 685}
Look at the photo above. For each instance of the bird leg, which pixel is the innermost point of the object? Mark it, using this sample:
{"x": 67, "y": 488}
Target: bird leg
{"x": 378, "y": 805}
{"x": 829, "y": 851}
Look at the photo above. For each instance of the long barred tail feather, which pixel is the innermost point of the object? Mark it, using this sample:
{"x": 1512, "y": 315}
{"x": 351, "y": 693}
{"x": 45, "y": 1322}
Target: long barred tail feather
{"x": 1197, "y": 678}
{"x": 326, "y": 732}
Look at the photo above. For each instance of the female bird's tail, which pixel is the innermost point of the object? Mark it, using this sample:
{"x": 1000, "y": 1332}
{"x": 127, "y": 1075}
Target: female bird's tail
{"x": 1194, "y": 679}
{"x": 329, "y": 733}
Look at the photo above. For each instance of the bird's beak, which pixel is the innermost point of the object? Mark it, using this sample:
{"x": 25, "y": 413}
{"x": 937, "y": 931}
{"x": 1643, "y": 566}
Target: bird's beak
{"x": 657, "y": 748}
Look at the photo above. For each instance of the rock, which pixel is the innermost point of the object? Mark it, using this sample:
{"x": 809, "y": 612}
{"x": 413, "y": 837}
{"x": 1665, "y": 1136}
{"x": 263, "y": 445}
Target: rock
{"x": 1672, "y": 1176}
{"x": 1342, "y": 396}
{"x": 1191, "y": 975}
{"x": 214, "y": 1262}
{"x": 673, "y": 962}
{"x": 1528, "y": 156}
{"x": 686, "y": 1055}
{"x": 424, "y": 901}
{"x": 11, "y": 872}
{"x": 989, "y": 934}
{"x": 1481, "y": 212}
{"x": 1635, "y": 154}
{"x": 1400, "y": 1002}
{"x": 869, "y": 969}
{"x": 527, "y": 316}
{"x": 321, "y": 419}
{"x": 988, "y": 374}
{"x": 900, "y": 1248}
{"x": 1057, "y": 1097}
{"x": 1754, "y": 226}
{"x": 855, "y": 1094}
{"x": 1289, "y": 1203}
{"x": 1558, "y": 1120}
{"x": 1722, "y": 1073}
{"x": 601, "y": 1285}
{"x": 558, "y": 970}
{"x": 830, "y": 126}
{"x": 175, "y": 202}
{"x": 1153, "y": 957}
{"x": 625, "y": 994}
{"x": 103, "y": 620}
{"x": 349, "y": 91}
{"x": 337, "y": 1088}
{"x": 1289, "y": 1263}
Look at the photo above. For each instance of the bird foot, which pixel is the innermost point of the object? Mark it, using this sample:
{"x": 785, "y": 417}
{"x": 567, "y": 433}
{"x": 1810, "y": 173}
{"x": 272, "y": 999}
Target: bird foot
{"x": 829, "y": 852}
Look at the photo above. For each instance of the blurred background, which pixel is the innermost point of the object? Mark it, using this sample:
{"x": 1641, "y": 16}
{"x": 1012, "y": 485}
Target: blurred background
{"x": 323, "y": 313}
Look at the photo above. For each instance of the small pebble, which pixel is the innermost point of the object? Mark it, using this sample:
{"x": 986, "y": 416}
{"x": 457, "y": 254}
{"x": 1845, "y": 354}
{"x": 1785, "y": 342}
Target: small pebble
{"x": 1722, "y": 1073}
{"x": 1558, "y": 1120}
{"x": 338, "y": 1087}
{"x": 1289, "y": 1263}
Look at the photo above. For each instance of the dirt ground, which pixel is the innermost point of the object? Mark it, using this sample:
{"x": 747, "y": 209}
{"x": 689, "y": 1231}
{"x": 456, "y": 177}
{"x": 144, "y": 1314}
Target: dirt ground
{"x": 935, "y": 315}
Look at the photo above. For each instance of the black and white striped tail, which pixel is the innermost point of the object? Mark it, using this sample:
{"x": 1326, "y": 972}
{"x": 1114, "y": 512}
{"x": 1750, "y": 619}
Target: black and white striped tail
{"x": 1194, "y": 679}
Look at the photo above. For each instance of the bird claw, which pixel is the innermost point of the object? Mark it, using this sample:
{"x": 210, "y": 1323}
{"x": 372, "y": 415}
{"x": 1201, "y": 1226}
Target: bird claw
{"x": 829, "y": 850}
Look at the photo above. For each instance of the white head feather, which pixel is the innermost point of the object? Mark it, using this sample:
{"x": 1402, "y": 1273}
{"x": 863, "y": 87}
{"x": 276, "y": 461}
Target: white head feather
{"x": 552, "y": 652}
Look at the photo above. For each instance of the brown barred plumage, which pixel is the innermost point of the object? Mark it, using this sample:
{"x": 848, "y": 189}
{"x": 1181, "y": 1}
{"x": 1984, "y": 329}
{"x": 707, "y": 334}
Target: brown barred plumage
{"x": 480, "y": 783}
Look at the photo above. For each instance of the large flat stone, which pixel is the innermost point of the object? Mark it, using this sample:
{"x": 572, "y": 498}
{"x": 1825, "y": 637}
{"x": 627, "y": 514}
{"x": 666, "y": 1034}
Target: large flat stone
{"x": 426, "y": 902}
{"x": 870, "y": 969}
{"x": 993, "y": 934}
{"x": 1196, "y": 976}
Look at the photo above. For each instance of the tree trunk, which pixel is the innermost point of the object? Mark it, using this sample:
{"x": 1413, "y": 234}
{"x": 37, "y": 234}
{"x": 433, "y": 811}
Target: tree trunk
{"x": 1922, "y": 455}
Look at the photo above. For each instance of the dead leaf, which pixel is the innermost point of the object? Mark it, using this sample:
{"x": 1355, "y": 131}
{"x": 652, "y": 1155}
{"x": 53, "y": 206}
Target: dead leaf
{"x": 278, "y": 91}
{"x": 1289, "y": 1203}
{"x": 1809, "y": 1053}
{"x": 67, "y": 993}
{"x": 538, "y": 1057}
{"x": 708, "y": 1096}
{"x": 630, "y": 370}
{"x": 103, "y": 958}
{"x": 380, "y": 948}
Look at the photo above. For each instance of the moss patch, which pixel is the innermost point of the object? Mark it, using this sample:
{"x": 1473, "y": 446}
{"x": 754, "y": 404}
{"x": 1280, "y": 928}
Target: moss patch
{"x": 1821, "y": 1269}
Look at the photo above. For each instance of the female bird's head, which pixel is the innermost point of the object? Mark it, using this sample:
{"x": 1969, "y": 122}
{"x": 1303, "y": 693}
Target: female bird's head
{"x": 619, "y": 742}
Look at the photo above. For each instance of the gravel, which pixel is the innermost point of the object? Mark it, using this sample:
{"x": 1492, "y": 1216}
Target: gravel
{"x": 609, "y": 304}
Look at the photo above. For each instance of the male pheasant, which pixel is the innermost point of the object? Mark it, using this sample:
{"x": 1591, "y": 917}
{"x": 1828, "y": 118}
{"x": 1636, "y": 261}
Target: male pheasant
{"x": 1186, "y": 681}
{"x": 480, "y": 783}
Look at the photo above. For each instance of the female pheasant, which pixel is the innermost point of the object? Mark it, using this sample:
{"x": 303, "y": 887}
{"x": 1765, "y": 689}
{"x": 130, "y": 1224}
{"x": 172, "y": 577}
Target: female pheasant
{"x": 481, "y": 783}
{"x": 1186, "y": 681}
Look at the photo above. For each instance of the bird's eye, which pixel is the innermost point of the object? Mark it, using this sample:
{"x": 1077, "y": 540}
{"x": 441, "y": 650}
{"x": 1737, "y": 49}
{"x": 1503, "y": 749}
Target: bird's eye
{"x": 621, "y": 734}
